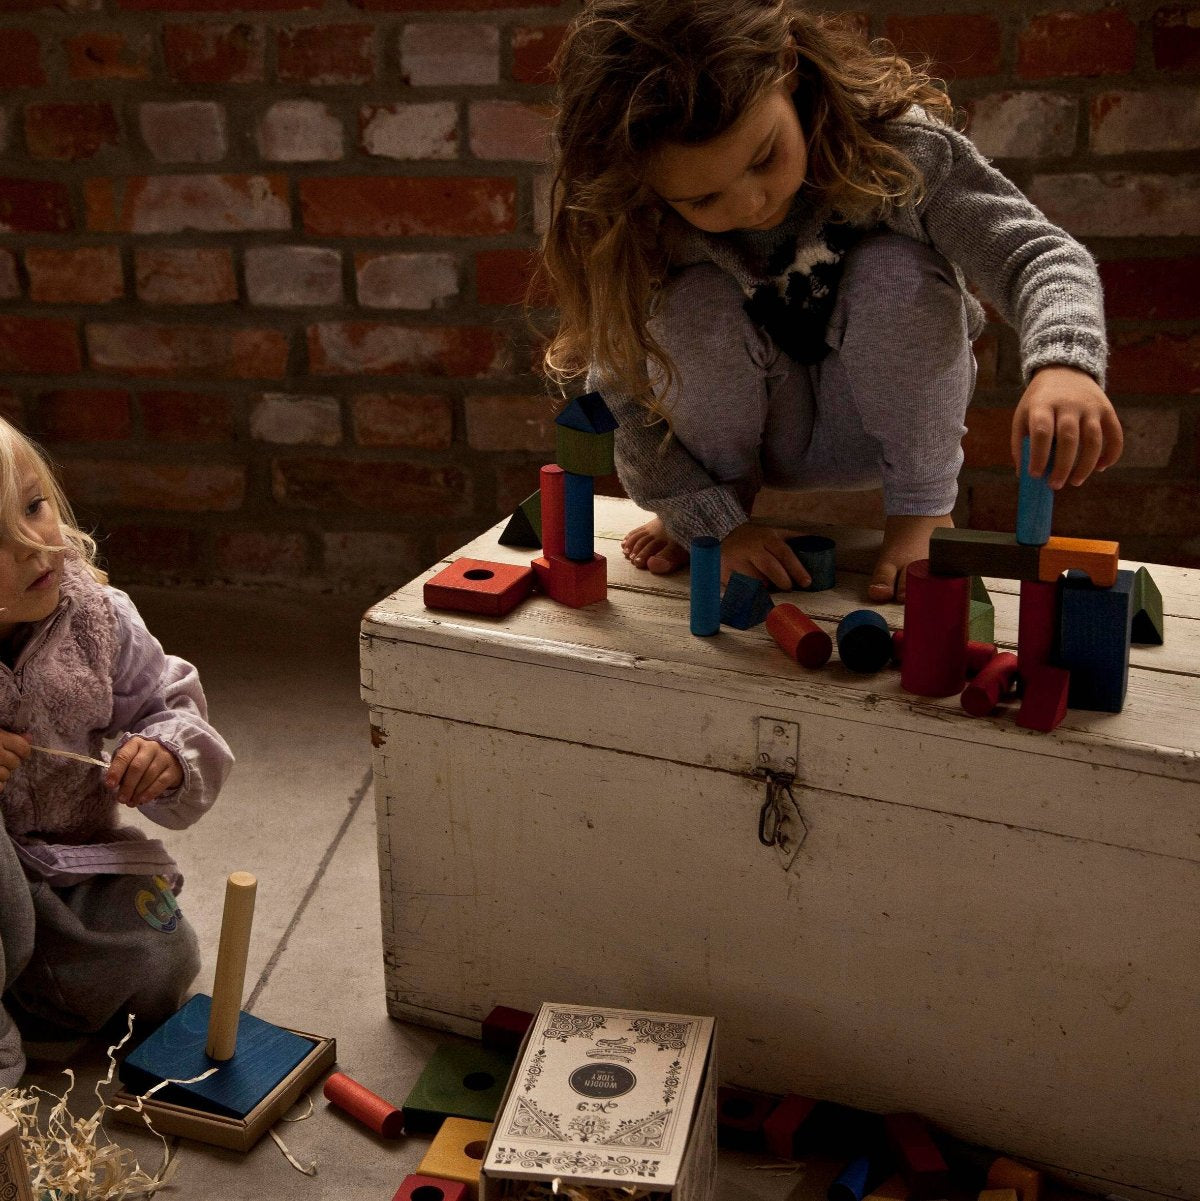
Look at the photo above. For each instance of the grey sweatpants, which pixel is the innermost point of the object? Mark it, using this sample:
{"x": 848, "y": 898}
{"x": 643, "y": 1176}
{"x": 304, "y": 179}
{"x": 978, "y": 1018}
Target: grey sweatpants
{"x": 884, "y": 406}
{"x": 76, "y": 957}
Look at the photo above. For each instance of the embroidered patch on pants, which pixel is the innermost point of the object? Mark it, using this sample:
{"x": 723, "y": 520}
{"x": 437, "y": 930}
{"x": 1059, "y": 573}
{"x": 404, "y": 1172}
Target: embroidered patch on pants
{"x": 159, "y": 908}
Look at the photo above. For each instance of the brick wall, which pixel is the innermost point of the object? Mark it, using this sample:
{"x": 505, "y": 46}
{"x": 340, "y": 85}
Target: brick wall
{"x": 258, "y": 260}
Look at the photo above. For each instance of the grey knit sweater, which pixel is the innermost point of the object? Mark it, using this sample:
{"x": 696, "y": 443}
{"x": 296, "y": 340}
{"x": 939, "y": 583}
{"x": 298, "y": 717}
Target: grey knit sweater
{"x": 1039, "y": 279}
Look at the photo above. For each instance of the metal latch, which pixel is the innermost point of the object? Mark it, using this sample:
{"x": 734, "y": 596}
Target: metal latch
{"x": 779, "y": 822}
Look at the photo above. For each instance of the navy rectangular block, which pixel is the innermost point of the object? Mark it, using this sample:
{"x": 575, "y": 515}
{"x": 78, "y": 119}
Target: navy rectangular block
{"x": 1094, "y": 640}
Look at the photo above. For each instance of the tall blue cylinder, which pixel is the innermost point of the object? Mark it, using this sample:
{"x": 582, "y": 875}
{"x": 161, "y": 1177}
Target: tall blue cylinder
{"x": 706, "y": 586}
{"x": 579, "y": 503}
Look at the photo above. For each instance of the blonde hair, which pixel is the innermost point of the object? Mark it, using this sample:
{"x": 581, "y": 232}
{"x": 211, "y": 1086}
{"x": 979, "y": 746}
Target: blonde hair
{"x": 635, "y": 74}
{"x": 19, "y": 455}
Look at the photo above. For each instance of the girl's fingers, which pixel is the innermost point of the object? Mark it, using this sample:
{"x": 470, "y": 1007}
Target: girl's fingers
{"x": 1041, "y": 440}
{"x": 1066, "y": 450}
{"x": 156, "y": 786}
{"x": 1114, "y": 439}
{"x": 773, "y": 570}
{"x": 1091, "y": 443}
{"x": 797, "y": 572}
{"x": 136, "y": 770}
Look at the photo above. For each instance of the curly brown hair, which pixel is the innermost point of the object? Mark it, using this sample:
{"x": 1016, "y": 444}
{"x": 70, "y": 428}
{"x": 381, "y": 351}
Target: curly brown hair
{"x": 635, "y": 74}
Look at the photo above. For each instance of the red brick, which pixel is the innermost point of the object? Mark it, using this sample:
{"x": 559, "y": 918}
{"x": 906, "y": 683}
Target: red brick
{"x": 421, "y": 420}
{"x": 375, "y": 348}
{"x": 1176, "y": 37}
{"x": 35, "y": 206}
{"x": 20, "y": 59}
{"x": 202, "y": 351}
{"x": 1161, "y": 364}
{"x": 290, "y": 420}
{"x": 389, "y": 207}
{"x": 326, "y": 54}
{"x": 503, "y": 276}
{"x": 987, "y": 440}
{"x": 413, "y": 6}
{"x": 960, "y": 45}
{"x": 387, "y": 485}
{"x": 218, "y": 6}
{"x": 183, "y": 131}
{"x": 103, "y": 55}
{"x": 510, "y": 423}
{"x": 84, "y": 415}
{"x": 508, "y": 129}
{"x": 81, "y": 275}
{"x": 514, "y": 482}
{"x": 293, "y": 275}
{"x": 1151, "y": 435}
{"x": 39, "y": 346}
{"x": 66, "y": 132}
{"x": 185, "y": 276}
{"x": 172, "y": 416}
{"x": 1161, "y": 289}
{"x": 433, "y": 54}
{"x": 533, "y": 51}
{"x": 377, "y": 557}
{"x": 1077, "y": 43}
{"x": 10, "y": 283}
{"x": 214, "y": 53}
{"x": 260, "y": 553}
{"x": 1120, "y": 204}
{"x": 138, "y": 484}
{"x": 151, "y": 204}
{"x": 140, "y": 551}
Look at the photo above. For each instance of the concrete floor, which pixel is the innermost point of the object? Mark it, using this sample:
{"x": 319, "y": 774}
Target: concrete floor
{"x": 282, "y": 681}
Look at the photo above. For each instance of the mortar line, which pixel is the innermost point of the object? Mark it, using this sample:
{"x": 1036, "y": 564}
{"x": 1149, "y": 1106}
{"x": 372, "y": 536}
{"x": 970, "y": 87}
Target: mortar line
{"x": 356, "y": 800}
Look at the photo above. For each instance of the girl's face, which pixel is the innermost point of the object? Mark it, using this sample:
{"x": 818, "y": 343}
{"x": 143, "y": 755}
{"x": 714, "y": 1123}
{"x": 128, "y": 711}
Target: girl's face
{"x": 743, "y": 179}
{"x": 31, "y": 576}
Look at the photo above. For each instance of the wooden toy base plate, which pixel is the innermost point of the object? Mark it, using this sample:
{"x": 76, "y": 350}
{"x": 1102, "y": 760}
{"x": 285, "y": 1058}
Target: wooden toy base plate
{"x": 236, "y": 1134}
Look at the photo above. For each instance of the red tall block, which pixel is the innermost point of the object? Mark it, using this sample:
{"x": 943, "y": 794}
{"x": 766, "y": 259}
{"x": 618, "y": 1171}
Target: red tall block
{"x": 1044, "y": 703}
{"x": 784, "y": 1123}
{"x": 935, "y": 632}
{"x": 1038, "y": 623}
{"x": 553, "y": 487}
{"x": 504, "y": 1028}
{"x": 570, "y": 583}
{"x": 921, "y": 1163}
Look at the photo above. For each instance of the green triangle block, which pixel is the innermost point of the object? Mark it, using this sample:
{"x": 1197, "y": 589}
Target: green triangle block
{"x": 524, "y": 527}
{"x": 459, "y": 1081}
{"x": 1147, "y": 626}
{"x": 982, "y": 623}
{"x": 979, "y": 590}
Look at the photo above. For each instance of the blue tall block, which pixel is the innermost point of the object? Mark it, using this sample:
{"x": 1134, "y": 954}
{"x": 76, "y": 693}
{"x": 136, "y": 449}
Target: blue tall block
{"x": 706, "y": 587}
{"x": 579, "y": 502}
{"x": 854, "y": 1181}
{"x": 1094, "y": 640}
{"x": 1035, "y": 501}
{"x": 746, "y": 602}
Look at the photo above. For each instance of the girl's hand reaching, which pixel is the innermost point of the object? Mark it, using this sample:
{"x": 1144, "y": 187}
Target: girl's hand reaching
{"x": 14, "y": 750}
{"x": 761, "y": 552}
{"x": 143, "y": 770}
{"x": 1068, "y": 405}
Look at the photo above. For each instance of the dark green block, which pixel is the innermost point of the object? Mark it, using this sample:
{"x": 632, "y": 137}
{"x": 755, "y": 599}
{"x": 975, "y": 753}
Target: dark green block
{"x": 524, "y": 527}
{"x": 582, "y": 453}
{"x": 982, "y": 622}
{"x": 982, "y": 552}
{"x": 1147, "y": 626}
{"x": 459, "y": 1081}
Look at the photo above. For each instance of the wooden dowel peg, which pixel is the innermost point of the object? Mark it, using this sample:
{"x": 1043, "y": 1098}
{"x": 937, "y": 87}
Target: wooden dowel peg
{"x": 230, "y": 978}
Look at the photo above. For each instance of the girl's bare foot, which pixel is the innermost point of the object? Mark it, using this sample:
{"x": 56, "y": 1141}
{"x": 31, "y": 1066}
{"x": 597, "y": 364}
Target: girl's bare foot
{"x": 649, "y": 546}
{"x": 905, "y": 539}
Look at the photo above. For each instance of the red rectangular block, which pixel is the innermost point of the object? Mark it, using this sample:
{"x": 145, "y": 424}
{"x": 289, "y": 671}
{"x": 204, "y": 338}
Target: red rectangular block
{"x": 783, "y": 1124}
{"x": 1044, "y": 701}
{"x": 504, "y": 1028}
{"x": 570, "y": 583}
{"x": 921, "y": 1163}
{"x": 477, "y": 586}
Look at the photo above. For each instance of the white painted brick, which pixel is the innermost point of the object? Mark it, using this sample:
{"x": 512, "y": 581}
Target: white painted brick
{"x": 1163, "y": 119}
{"x": 296, "y": 420}
{"x": 1120, "y": 204}
{"x": 300, "y": 131}
{"x": 187, "y": 131}
{"x": 293, "y": 275}
{"x": 411, "y": 131}
{"x": 406, "y": 281}
{"x": 434, "y": 55}
{"x": 1024, "y": 124}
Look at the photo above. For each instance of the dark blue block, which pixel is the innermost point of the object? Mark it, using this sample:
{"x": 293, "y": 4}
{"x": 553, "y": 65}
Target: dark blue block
{"x": 1093, "y": 644}
{"x": 587, "y": 413}
{"x": 264, "y": 1056}
{"x": 706, "y": 587}
{"x": 857, "y": 1178}
{"x": 1035, "y": 501}
{"x": 819, "y": 557}
{"x": 864, "y": 641}
{"x": 579, "y": 503}
{"x": 746, "y": 602}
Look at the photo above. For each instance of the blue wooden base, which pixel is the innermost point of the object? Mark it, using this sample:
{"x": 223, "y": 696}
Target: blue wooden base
{"x": 264, "y": 1056}
{"x": 746, "y": 602}
{"x": 1094, "y": 640}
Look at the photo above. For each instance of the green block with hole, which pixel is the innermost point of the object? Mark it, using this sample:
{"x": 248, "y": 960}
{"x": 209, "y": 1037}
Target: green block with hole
{"x": 459, "y": 1081}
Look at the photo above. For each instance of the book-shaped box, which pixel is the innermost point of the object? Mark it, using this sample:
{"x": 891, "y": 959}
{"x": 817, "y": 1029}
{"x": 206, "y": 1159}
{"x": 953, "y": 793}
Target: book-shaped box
{"x": 608, "y": 1099}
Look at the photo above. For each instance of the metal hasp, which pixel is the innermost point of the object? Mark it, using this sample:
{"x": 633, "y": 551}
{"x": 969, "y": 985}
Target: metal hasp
{"x": 778, "y": 756}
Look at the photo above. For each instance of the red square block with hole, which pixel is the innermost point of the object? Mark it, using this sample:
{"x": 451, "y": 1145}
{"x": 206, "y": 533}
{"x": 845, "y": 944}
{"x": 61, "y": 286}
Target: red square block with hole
{"x": 477, "y": 586}
{"x": 429, "y": 1188}
{"x": 504, "y": 1028}
{"x": 571, "y": 583}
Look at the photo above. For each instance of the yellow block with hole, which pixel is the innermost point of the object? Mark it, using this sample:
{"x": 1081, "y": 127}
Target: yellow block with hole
{"x": 457, "y": 1151}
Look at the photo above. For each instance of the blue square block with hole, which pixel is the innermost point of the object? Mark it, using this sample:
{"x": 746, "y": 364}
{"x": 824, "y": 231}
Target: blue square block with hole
{"x": 459, "y": 1081}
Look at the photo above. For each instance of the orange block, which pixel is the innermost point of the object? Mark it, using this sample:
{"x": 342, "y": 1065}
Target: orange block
{"x": 1007, "y": 1173}
{"x": 1096, "y": 557}
{"x": 570, "y": 583}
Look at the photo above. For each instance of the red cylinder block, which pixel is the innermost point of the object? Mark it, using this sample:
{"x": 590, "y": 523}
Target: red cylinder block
{"x": 935, "y": 632}
{"x": 990, "y": 685}
{"x": 553, "y": 487}
{"x": 369, "y": 1108}
{"x": 979, "y": 654}
{"x": 799, "y": 636}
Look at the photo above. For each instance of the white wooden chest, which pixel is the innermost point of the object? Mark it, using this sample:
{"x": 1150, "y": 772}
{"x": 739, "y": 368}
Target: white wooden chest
{"x": 996, "y": 928}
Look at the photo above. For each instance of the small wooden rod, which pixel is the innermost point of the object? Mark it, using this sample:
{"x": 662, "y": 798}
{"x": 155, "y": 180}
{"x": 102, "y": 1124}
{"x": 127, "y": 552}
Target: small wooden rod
{"x": 230, "y": 977}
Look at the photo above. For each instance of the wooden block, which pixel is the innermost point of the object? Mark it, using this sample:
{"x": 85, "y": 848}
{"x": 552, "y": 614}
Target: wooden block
{"x": 1093, "y": 640}
{"x": 981, "y": 613}
{"x": 799, "y": 637}
{"x": 457, "y": 1152}
{"x": 587, "y": 413}
{"x": 582, "y": 453}
{"x": 819, "y": 556}
{"x": 15, "y": 1183}
{"x": 858, "y": 1178}
{"x": 1037, "y": 627}
{"x": 746, "y": 602}
{"x": 579, "y": 508}
{"x": 783, "y": 1125}
{"x": 991, "y": 685}
{"x": 921, "y": 1163}
{"x": 1147, "y": 628}
{"x": 894, "y": 1188}
{"x": 362, "y": 1104}
{"x": 553, "y": 507}
{"x": 429, "y": 1188}
{"x": 1035, "y": 501}
{"x": 504, "y": 1028}
{"x": 741, "y": 1115}
{"x": 478, "y": 586}
{"x": 979, "y": 654}
{"x": 1006, "y": 1173}
{"x": 264, "y": 1056}
{"x": 524, "y": 529}
{"x": 998, "y": 1194}
{"x": 1044, "y": 698}
{"x": 705, "y": 593}
{"x": 935, "y": 632}
{"x": 982, "y": 552}
{"x": 864, "y": 641}
{"x": 570, "y": 583}
{"x": 459, "y": 1080}
{"x": 1091, "y": 555}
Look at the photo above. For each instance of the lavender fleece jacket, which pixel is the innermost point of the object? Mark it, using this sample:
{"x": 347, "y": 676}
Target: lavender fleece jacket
{"x": 1039, "y": 279}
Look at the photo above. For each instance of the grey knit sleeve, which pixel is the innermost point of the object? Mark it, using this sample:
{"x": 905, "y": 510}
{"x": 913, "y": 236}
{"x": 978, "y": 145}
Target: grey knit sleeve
{"x": 1041, "y": 280}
